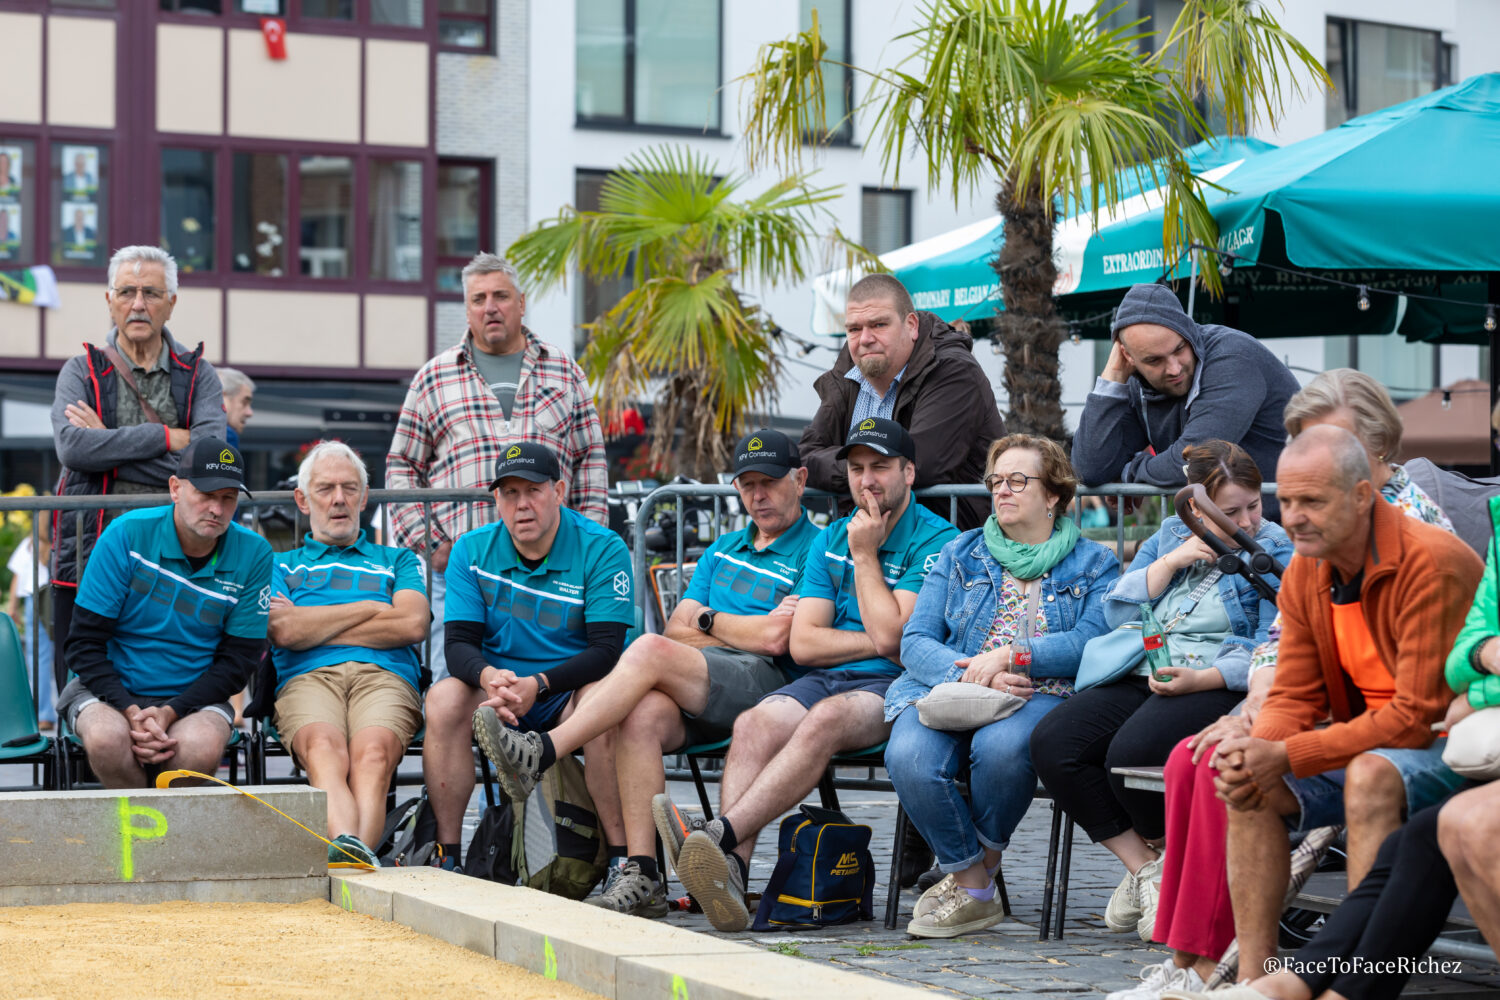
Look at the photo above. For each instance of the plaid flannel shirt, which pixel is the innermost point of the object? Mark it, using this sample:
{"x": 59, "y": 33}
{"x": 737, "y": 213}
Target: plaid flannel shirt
{"x": 452, "y": 432}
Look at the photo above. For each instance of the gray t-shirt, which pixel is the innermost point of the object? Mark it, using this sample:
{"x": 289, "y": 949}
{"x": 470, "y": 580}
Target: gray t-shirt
{"x": 503, "y": 374}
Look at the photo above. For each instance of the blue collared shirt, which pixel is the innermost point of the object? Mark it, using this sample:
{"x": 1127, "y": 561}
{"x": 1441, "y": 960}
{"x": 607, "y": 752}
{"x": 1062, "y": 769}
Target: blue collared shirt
{"x": 869, "y": 403}
{"x": 318, "y": 575}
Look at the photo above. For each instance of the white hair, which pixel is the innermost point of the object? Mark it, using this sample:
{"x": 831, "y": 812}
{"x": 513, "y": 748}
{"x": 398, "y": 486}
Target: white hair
{"x": 235, "y": 381}
{"x": 488, "y": 263}
{"x": 337, "y": 449}
{"x": 143, "y": 255}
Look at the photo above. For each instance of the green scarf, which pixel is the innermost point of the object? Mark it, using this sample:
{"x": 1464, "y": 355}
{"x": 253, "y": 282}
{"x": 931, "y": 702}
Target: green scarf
{"x": 1027, "y": 562}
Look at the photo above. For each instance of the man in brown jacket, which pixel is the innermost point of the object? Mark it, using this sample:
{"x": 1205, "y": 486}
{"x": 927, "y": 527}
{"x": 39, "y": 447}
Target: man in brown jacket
{"x": 912, "y": 368}
{"x": 1370, "y": 606}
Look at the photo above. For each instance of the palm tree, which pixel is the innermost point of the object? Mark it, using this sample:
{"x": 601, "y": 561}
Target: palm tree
{"x": 687, "y": 327}
{"x": 1053, "y": 108}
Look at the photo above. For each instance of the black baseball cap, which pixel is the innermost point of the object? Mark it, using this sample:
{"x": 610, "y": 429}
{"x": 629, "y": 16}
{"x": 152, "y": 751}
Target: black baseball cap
{"x": 884, "y": 436}
{"x": 767, "y": 451}
{"x": 212, "y": 464}
{"x": 528, "y": 460}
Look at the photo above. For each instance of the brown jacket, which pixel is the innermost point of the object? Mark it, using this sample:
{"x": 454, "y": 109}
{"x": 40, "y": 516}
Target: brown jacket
{"x": 1419, "y": 581}
{"x": 945, "y": 403}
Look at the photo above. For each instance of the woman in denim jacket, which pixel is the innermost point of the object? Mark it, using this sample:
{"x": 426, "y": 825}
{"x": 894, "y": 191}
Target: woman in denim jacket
{"x": 1125, "y": 716}
{"x": 969, "y": 616}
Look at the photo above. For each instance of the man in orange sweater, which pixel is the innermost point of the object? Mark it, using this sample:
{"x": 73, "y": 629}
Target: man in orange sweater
{"x": 1370, "y": 606}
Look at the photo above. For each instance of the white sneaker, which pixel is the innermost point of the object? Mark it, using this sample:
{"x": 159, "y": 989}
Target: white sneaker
{"x": 1157, "y": 979}
{"x": 1124, "y": 910}
{"x": 1148, "y": 894}
{"x": 930, "y": 899}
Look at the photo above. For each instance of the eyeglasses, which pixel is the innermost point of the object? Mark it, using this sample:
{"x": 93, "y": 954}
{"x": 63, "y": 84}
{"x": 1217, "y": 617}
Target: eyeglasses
{"x": 129, "y": 292}
{"x": 1016, "y": 481}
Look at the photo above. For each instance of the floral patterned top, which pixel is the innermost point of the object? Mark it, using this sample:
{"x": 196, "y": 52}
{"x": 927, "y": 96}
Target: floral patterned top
{"x": 1411, "y": 500}
{"x": 1010, "y": 608}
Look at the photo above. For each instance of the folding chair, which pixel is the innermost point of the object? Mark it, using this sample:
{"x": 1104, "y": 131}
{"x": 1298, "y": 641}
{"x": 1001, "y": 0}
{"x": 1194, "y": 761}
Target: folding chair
{"x": 20, "y": 740}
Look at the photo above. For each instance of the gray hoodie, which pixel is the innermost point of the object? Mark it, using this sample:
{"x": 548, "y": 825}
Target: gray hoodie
{"x": 1130, "y": 433}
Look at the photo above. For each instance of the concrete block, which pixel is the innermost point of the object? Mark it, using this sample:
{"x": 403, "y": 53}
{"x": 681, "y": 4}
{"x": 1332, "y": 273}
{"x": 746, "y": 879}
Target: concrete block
{"x": 169, "y": 835}
{"x": 583, "y": 945}
{"x": 360, "y": 892}
{"x": 267, "y": 890}
{"x": 762, "y": 976}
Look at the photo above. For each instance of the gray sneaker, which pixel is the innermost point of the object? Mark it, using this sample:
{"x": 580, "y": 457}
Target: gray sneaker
{"x": 929, "y": 900}
{"x": 634, "y": 893}
{"x": 711, "y": 878}
{"x": 957, "y": 913}
{"x": 516, "y": 755}
{"x": 673, "y": 825}
{"x": 612, "y": 874}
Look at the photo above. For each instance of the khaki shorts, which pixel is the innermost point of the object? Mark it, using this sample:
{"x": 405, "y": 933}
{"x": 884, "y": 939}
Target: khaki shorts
{"x": 352, "y": 696}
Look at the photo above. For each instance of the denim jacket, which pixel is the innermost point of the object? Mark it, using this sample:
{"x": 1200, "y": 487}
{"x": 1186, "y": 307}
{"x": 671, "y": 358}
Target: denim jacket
{"x": 1250, "y": 616}
{"x": 956, "y": 608}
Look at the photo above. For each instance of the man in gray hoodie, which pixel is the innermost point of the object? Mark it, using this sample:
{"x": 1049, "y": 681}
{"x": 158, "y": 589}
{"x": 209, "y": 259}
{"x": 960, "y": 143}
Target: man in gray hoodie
{"x": 1170, "y": 383}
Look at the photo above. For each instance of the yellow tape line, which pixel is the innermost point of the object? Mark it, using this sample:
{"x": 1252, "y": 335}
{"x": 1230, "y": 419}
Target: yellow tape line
{"x": 165, "y": 779}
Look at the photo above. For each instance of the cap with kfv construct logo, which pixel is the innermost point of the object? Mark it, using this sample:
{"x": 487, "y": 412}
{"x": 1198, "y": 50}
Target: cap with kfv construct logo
{"x": 880, "y": 435}
{"x": 212, "y": 464}
{"x": 528, "y": 460}
{"x": 766, "y": 451}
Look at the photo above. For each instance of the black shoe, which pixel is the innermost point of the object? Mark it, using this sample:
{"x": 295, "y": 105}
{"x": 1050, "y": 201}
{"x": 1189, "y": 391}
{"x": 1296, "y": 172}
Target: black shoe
{"x": 916, "y": 857}
{"x": 929, "y": 878}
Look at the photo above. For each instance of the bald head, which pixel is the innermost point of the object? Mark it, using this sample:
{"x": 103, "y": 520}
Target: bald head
{"x": 1332, "y": 448}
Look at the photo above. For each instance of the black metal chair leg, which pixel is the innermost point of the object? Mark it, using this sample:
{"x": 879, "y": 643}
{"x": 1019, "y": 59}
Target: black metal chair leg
{"x": 1000, "y": 884}
{"x": 484, "y": 770}
{"x": 893, "y": 888}
{"x": 708, "y": 811}
{"x": 1057, "y": 820}
{"x": 826, "y": 791}
{"x": 1067, "y": 865}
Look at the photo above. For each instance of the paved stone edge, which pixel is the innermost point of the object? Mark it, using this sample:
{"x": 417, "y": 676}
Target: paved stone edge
{"x": 251, "y": 890}
{"x": 606, "y": 953}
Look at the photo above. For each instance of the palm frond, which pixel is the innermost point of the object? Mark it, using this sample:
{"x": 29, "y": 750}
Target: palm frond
{"x": 786, "y": 102}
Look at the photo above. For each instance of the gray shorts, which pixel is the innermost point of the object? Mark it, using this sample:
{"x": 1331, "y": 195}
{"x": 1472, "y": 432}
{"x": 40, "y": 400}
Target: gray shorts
{"x": 736, "y": 681}
{"x": 75, "y": 698}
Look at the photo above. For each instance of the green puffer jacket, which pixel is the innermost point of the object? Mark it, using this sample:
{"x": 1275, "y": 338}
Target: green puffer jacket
{"x": 1482, "y": 622}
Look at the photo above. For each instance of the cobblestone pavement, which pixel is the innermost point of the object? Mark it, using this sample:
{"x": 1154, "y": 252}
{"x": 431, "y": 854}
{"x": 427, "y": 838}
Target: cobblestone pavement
{"x": 1005, "y": 961}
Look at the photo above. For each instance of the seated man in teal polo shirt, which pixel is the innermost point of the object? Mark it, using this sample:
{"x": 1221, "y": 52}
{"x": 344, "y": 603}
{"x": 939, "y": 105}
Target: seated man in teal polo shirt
{"x": 858, "y": 587}
{"x": 537, "y": 609}
{"x": 169, "y": 622}
{"x": 724, "y": 648}
{"x": 346, "y": 615}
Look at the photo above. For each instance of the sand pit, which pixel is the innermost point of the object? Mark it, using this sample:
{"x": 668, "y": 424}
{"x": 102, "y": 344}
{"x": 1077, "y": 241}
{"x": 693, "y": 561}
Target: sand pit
{"x": 164, "y": 951}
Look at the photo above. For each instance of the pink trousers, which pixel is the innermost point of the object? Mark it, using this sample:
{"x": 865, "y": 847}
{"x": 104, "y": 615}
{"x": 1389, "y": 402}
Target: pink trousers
{"x": 1194, "y": 913}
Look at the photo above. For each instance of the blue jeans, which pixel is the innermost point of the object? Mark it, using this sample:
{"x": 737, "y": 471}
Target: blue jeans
{"x": 924, "y": 765}
{"x": 46, "y": 710}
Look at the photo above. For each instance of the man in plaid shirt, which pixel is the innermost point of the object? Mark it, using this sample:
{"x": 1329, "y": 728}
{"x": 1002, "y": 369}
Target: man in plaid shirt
{"x": 499, "y": 385}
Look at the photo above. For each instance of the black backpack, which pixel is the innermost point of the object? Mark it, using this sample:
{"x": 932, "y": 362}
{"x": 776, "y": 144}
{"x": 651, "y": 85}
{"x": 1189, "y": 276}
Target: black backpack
{"x": 409, "y": 832}
{"x": 489, "y": 850}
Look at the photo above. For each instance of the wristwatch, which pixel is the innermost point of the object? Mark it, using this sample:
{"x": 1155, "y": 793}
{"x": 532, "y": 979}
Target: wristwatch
{"x": 706, "y": 620}
{"x": 542, "y": 687}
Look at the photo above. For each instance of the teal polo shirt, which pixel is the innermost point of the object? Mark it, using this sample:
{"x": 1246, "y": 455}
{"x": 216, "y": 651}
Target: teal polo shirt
{"x": 535, "y": 619}
{"x": 317, "y": 575}
{"x": 735, "y": 577}
{"x": 170, "y": 617}
{"x": 905, "y": 557}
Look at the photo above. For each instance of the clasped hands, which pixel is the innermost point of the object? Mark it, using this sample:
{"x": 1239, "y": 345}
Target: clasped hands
{"x": 991, "y": 670}
{"x": 148, "y": 733}
{"x": 510, "y": 696}
{"x": 1247, "y": 766}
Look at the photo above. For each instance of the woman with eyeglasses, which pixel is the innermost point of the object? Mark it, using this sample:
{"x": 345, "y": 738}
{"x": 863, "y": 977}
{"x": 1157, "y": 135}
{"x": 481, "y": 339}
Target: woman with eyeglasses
{"x": 1126, "y": 715}
{"x": 1007, "y": 606}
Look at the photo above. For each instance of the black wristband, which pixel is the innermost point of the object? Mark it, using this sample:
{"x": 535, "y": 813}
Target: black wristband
{"x": 1475, "y": 660}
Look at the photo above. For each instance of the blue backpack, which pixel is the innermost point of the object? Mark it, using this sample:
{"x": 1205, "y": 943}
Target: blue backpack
{"x": 824, "y": 874}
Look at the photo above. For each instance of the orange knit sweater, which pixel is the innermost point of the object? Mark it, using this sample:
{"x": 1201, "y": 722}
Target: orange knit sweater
{"x": 1419, "y": 581}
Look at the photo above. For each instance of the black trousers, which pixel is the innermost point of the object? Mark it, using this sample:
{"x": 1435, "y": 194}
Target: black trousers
{"x": 62, "y": 619}
{"x": 1077, "y": 745}
{"x": 1396, "y": 912}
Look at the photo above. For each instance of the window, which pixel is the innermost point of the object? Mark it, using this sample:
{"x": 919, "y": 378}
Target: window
{"x": 324, "y": 207}
{"x": 80, "y": 185}
{"x": 466, "y": 25}
{"x": 329, "y": 10}
{"x": 595, "y": 298}
{"x": 187, "y": 208}
{"x": 838, "y": 81}
{"x": 261, "y": 8}
{"x": 649, "y": 63}
{"x": 463, "y": 219}
{"x": 1408, "y": 370}
{"x": 17, "y": 201}
{"x": 1376, "y": 65}
{"x": 258, "y": 206}
{"x": 401, "y": 13}
{"x": 192, "y": 6}
{"x": 395, "y": 220}
{"x": 884, "y": 219}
